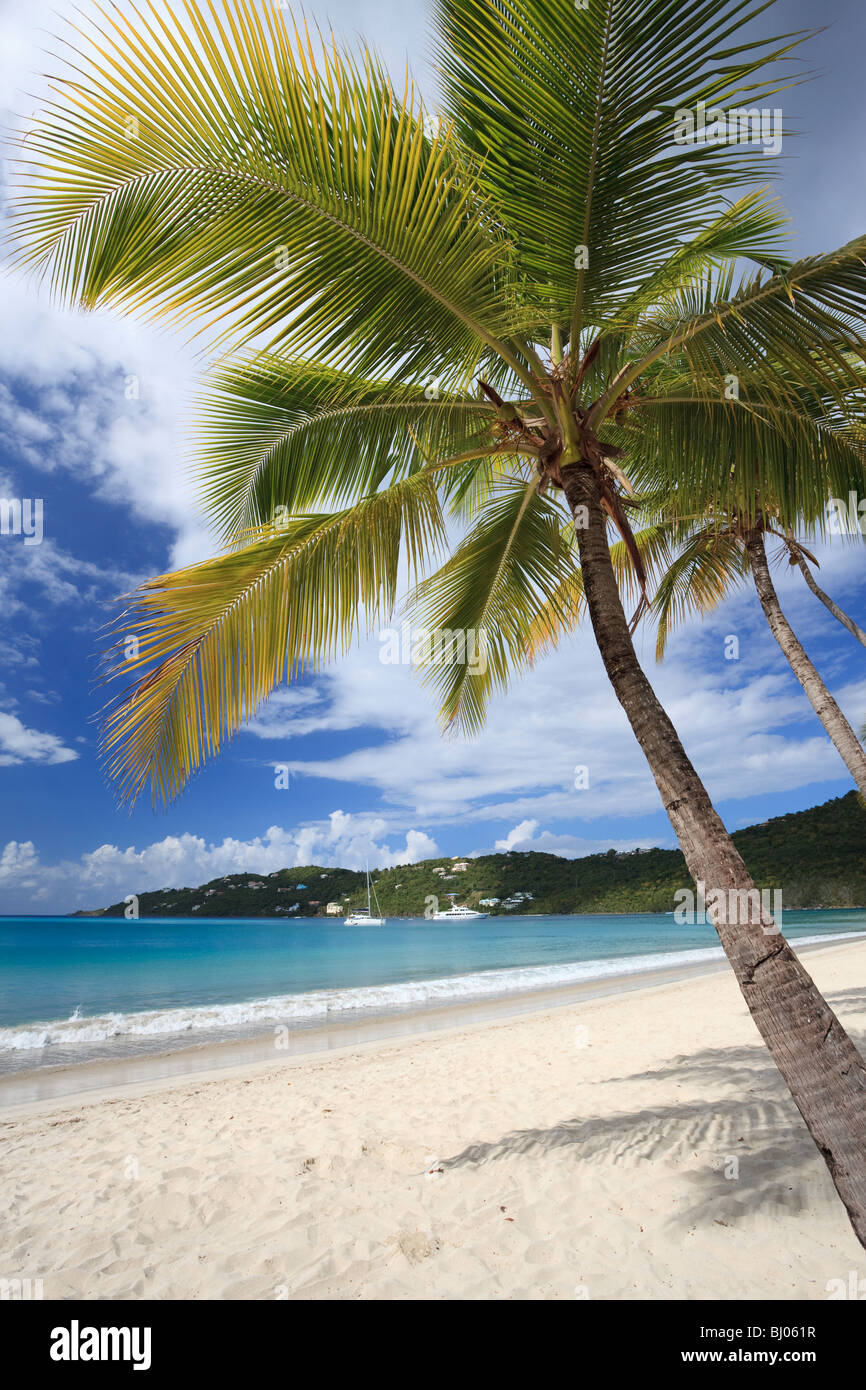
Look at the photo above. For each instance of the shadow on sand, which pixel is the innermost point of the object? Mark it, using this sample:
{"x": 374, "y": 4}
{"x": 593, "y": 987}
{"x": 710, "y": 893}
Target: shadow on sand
{"x": 756, "y": 1123}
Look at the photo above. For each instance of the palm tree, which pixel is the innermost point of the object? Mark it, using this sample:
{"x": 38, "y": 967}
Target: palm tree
{"x": 448, "y": 313}
{"x": 711, "y": 559}
{"x": 798, "y": 555}
{"x": 700, "y": 557}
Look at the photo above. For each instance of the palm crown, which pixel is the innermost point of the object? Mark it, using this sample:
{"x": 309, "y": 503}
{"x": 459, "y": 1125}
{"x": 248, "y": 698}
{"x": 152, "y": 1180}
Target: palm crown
{"x": 430, "y": 319}
{"x": 443, "y": 326}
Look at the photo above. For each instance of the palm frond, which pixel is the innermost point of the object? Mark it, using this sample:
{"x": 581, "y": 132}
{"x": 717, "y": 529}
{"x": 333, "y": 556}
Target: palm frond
{"x": 215, "y": 167}
{"x": 512, "y": 560}
{"x": 211, "y": 642}
{"x": 287, "y": 433}
{"x": 709, "y": 565}
{"x": 799, "y": 329}
{"x": 570, "y": 111}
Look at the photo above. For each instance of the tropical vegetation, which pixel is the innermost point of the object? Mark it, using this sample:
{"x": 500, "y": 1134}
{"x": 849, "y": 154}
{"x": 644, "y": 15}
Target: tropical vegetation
{"x": 436, "y": 325}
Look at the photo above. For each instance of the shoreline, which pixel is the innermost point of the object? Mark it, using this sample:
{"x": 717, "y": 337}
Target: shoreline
{"x": 44, "y": 1088}
{"x": 395, "y": 916}
{"x": 635, "y": 1145}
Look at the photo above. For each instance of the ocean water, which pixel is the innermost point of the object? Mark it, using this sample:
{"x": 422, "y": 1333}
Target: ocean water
{"x": 77, "y": 989}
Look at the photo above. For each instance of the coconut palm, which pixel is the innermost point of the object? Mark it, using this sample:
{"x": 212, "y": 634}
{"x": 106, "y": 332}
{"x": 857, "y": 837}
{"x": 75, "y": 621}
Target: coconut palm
{"x": 711, "y": 559}
{"x": 803, "y": 443}
{"x": 801, "y": 557}
{"x": 439, "y": 315}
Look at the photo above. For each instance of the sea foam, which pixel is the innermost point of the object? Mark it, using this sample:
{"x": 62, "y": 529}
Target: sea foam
{"x": 321, "y": 1005}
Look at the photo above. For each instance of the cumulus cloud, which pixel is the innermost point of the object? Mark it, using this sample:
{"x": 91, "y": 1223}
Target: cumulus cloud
{"x": 18, "y": 744}
{"x": 518, "y": 837}
{"x": 524, "y": 837}
{"x": 18, "y": 863}
{"x": 109, "y": 873}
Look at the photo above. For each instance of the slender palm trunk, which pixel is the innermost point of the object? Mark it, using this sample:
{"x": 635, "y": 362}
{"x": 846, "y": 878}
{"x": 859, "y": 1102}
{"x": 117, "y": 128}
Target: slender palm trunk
{"x": 822, "y": 1068}
{"x": 848, "y": 746}
{"x": 834, "y": 608}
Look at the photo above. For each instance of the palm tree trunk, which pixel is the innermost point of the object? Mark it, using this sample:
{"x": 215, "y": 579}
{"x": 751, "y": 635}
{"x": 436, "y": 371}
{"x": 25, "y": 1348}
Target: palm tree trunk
{"x": 822, "y": 1068}
{"x": 834, "y": 608}
{"x": 848, "y": 746}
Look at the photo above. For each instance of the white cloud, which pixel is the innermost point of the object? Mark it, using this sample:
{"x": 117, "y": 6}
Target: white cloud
{"x": 17, "y": 863}
{"x": 77, "y": 368}
{"x": 109, "y": 873}
{"x": 18, "y": 744}
{"x": 518, "y": 837}
{"x": 523, "y": 837}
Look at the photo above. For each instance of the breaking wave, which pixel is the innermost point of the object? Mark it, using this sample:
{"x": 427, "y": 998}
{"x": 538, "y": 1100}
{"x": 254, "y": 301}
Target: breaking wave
{"x": 322, "y": 1005}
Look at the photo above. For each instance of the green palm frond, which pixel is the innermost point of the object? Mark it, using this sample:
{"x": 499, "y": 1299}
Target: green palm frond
{"x": 211, "y": 642}
{"x": 740, "y": 231}
{"x": 801, "y": 329}
{"x": 570, "y": 109}
{"x": 512, "y": 560}
{"x": 217, "y": 168}
{"x": 287, "y": 433}
{"x": 742, "y": 455}
{"x": 709, "y": 565}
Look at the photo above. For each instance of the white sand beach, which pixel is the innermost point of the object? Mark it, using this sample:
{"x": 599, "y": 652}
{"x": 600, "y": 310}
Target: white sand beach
{"x": 639, "y": 1146}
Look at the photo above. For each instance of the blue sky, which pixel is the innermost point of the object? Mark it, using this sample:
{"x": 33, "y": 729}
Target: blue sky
{"x": 93, "y": 422}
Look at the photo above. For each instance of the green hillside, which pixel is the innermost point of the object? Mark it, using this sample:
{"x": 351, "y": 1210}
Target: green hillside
{"x": 815, "y": 857}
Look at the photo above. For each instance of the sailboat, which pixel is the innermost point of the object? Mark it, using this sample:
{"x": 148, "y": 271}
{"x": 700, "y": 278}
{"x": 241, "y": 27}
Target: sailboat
{"x": 362, "y": 916}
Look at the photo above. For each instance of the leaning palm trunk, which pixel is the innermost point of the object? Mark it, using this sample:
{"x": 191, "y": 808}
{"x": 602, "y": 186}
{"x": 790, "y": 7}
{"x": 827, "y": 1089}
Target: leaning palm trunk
{"x": 838, "y": 613}
{"x": 839, "y": 730}
{"x": 410, "y": 252}
{"x": 820, "y": 1065}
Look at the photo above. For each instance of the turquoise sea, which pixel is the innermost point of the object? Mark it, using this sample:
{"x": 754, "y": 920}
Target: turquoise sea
{"x": 74, "y": 989}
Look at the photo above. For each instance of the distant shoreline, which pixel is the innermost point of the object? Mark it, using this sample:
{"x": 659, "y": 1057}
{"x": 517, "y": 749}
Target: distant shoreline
{"x": 813, "y": 857}
{"x": 391, "y": 916}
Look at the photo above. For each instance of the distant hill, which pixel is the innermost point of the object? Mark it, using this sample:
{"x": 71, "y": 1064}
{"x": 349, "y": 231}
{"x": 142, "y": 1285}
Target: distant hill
{"x": 816, "y": 857}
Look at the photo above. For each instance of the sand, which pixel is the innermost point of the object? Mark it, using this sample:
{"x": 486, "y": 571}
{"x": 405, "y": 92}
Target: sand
{"x": 639, "y": 1146}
